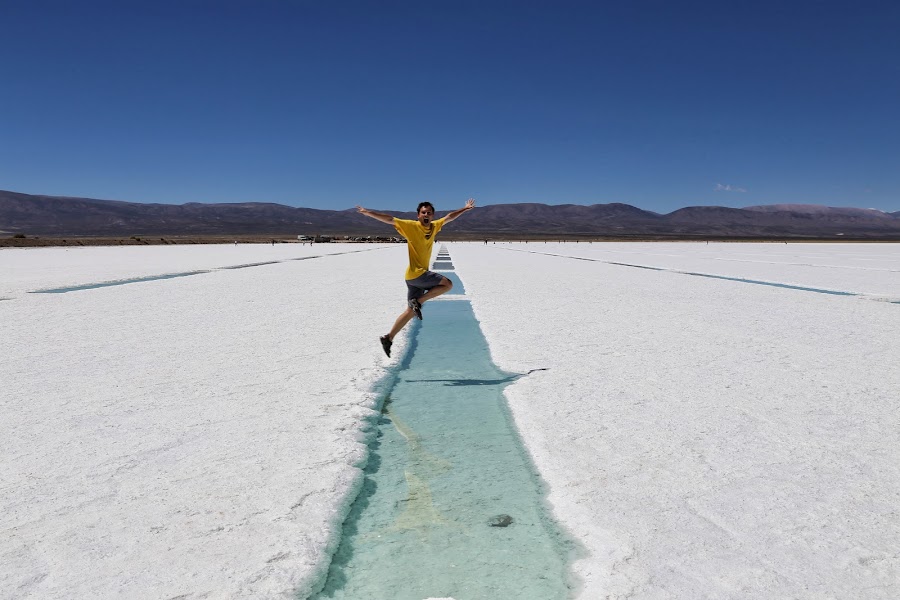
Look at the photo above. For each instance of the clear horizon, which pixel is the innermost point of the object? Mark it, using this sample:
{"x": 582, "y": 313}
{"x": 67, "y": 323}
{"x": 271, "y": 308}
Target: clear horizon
{"x": 655, "y": 105}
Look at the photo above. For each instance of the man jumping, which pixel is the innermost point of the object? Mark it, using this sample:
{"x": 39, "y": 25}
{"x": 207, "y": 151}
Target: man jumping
{"x": 421, "y": 284}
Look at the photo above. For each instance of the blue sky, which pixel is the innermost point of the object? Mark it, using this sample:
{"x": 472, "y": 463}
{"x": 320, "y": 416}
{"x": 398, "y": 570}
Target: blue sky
{"x": 327, "y": 104}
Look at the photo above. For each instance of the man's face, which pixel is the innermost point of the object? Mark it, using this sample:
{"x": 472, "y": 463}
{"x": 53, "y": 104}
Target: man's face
{"x": 425, "y": 215}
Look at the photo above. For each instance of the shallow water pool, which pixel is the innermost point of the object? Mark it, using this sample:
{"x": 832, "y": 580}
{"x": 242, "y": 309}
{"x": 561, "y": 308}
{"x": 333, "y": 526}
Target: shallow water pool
{"x": 451, "y": 506}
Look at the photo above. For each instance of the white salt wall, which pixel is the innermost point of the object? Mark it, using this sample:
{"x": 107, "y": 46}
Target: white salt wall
{"x": 705, "y": 438}
{"x": 192, "y": 437}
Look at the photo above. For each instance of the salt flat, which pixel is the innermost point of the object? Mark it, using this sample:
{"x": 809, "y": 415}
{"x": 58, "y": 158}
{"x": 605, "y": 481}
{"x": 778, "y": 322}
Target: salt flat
{"x": 706, "y": 438}
{"x": 192, "y": 437}
{"x": 701, "y": 438}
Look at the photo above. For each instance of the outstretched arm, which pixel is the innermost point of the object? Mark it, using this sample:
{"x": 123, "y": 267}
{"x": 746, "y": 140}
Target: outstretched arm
{"x": 383, "y": 217}
{"x": 470, "y": 204}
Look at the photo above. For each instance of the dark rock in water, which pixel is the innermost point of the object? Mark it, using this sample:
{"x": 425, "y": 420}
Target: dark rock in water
{"x": 500, "y": 521}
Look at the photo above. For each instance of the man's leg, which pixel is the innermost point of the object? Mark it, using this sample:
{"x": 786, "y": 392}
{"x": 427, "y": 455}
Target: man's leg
{"x": 400, "y": 323}
{"x": 442, "y": 288}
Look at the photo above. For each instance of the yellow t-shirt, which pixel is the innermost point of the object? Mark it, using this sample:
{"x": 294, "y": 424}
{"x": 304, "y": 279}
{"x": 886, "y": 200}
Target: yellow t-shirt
{"x": 420, "y": 242}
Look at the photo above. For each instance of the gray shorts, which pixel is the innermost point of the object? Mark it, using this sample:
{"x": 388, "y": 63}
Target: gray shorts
{"x": 417, "y": 287}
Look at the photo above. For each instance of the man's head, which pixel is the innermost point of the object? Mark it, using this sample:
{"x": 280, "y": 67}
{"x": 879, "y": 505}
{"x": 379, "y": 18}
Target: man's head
{"x": 424, "y": 213}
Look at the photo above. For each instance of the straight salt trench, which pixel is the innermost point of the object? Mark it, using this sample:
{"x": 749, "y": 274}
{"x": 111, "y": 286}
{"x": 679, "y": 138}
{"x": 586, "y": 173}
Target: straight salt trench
{"x": 451, "y": 506}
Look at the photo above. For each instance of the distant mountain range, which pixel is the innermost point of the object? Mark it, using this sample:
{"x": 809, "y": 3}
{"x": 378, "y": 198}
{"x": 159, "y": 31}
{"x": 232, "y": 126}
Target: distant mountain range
{"x": 62, "y": 216}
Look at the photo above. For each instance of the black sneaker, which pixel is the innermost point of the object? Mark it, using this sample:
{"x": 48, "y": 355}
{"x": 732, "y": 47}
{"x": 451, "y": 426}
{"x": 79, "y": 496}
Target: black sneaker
{"x": 417, "y": 308}
{"x": 386, "y": 344}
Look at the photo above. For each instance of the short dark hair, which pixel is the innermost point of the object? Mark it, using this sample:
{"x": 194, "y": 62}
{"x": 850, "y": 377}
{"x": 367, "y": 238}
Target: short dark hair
{"x": 421, "y": 204}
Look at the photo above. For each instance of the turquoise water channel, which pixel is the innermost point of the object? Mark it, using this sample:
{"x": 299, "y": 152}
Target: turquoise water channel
{"x": 103, "y": 284}
{"x": 707, "y": 275}
{"x": 451, "y": 506}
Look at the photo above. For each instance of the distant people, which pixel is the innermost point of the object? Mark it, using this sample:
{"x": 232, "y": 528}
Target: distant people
{"x": 421, "y": 284}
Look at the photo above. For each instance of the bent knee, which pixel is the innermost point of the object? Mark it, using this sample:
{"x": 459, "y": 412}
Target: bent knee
{"x": 446, "y": 283}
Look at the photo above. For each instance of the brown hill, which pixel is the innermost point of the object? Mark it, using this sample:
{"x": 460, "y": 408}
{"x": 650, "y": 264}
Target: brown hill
{"x": 64, "y": 216}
